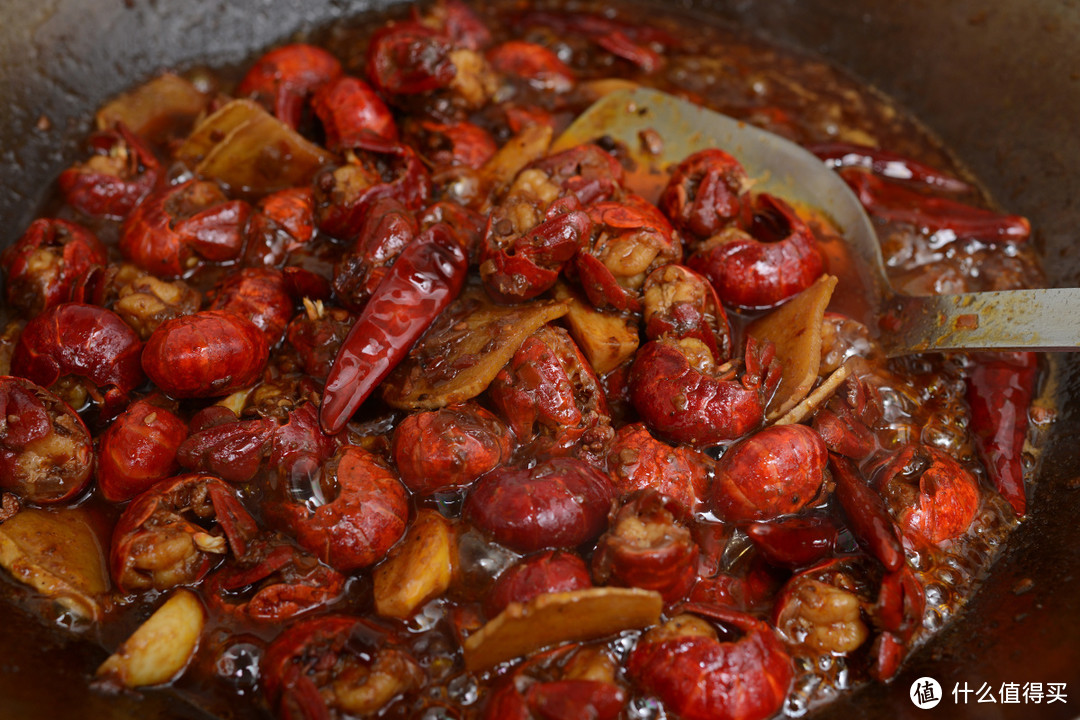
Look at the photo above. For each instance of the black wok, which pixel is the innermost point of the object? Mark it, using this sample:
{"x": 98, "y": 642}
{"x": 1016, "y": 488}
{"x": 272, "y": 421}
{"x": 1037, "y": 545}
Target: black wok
{"x": 998, "y": 80}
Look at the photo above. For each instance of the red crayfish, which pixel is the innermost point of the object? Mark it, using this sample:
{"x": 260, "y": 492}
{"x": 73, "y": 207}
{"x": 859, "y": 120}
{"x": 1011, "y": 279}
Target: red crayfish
{"x": 449, "y": 448}
{"x": 562, "y": 683}
{"x": 821, "y": 610}
{"x": 176, "y": 228}
{"x": 519, "y": 261}
{"x": 350, "y": 110}
{"x": 282, "y": 222}
{"x": 316, "y": 334}
{"x": 560, "y": 503}
{"x": 141, "y": 299}
{"x": 551, "y": 398}
{"x": 287, "y": 438}
{"x": 682, "y": 393}
{"x": 355, "y": 509}
{"x": 932, "y": 495}
{"x": 88, "y": 343}
{"x": 537, "y": 65}
{"x": 45, "y": 449}
{"x": 222, "y": 444}
{"x": 588, "y": 172}
{"x": 830, "y": 609}
{"x": 794, "y": 542}
{"x": 545, "y": 572}
{"x": 680, "y": 303}
{"x": 776, "y": 259}
{"x": 701, "y": 677}
{"x": 160, "y": 540}
{"x": 630, "y": 238}
{"x": 138, "y": 449}
{"x": 336, "y": 663}
{"x": 437, "y": 52}
{"x": 409, "y": 58}
{"x": 450, "y": 146}
{"x": 638, "y": 461}
{"x": 776, "y": 471}
{"x": 259, "y": 295}
{"x": 631, "y": 42}
{"x": 43, "y": 267}
{"x": 119, "y": 174}
{"x": 285, "y": 78}
{"x": 648, "y": 545}
{"x": 705, "y": 193}
{"x": 273, "y": 581}
{"x": 207, "y": 354}
{"x": 375, "y": 168}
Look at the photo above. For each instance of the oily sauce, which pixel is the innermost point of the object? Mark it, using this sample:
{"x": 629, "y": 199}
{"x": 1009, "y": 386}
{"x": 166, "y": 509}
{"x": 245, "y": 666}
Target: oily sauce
{"x": 922, "y": 397}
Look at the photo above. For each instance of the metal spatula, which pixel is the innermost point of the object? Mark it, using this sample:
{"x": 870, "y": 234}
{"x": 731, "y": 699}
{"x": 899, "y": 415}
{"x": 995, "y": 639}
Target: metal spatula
{"x": 1009, "y": 320}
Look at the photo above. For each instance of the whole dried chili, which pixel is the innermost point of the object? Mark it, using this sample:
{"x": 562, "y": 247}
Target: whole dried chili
{"x": 426, "y": 277}
{"x": 999, "y": 389}
{"x": 891, "y": 201}
{"x": 866, "y": 512}
{"x": 887, "y": 164}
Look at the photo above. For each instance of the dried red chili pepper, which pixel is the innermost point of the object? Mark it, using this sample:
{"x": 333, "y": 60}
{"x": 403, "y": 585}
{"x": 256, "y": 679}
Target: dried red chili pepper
{"x": 887, "y": 164}
{"x": 620, "y": 38}
{"x": 999, "y": 391}
{"x": 892, "y": 201}
{"x": 866, "y": 512}
{"x": 426, "y": 277}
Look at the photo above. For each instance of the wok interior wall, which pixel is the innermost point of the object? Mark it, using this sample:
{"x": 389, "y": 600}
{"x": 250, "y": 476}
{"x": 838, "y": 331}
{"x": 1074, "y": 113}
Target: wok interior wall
{"x": 998, "y": 80}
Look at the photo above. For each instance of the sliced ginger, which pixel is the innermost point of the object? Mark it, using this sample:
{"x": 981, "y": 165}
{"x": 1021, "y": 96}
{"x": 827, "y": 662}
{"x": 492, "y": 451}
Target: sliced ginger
{"x": 795, "y": 329}
{"x": 607, "y": 338}
{"x": 555, "y": 618}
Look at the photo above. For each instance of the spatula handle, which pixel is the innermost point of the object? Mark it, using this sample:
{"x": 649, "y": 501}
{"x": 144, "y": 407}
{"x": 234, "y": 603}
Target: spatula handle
{"x": 1007, "y": 320}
